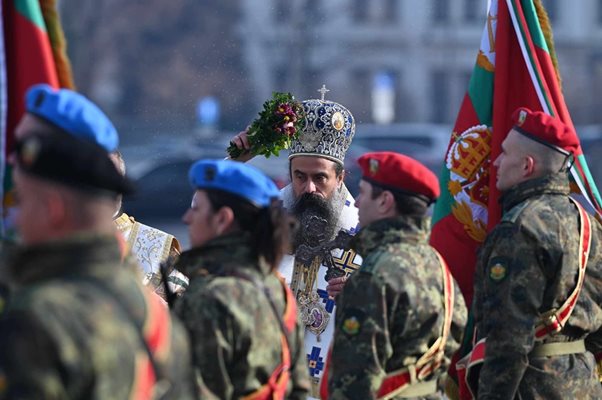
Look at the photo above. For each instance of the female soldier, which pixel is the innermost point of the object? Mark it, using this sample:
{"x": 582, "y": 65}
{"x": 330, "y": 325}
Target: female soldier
{"x": 241, "y": 317}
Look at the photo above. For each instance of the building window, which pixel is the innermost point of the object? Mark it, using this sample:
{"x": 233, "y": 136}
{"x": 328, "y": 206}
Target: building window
{"x": 281, "y": 77}
{"x": 441, "y": 11}
{"x": 473, "y": 10}
{"x": 384, "y": 96}
{"x": 282, "y": 11}
{"x": 311, "y": 81}
{"x": 391, "y": 11}
{"x": 596, "y": 86}
{"x": 313, "y": 12}
{"x": 360, "y": 10}
{"x": 439, "y": 96}
{"x": 360, "y": 105}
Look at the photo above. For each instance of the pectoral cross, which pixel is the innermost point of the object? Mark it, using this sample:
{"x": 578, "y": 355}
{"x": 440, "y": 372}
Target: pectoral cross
{"x": 323, "y": 91}
{"x": 490, "y": 32}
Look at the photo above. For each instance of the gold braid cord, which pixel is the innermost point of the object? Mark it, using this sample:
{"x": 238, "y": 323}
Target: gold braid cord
{"x": 58, "y": 43}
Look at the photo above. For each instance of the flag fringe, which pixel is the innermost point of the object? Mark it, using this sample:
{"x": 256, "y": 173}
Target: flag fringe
{"x": 546, "y": 28}
{"x": 58, "y": 43}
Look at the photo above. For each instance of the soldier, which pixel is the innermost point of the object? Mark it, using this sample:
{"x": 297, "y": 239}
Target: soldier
{"x": 319, "y": 199}
{"x": 79, "y": 325}
{"x": 151, "y": 247}
{"x": 6, "y": 251}
{"x": 241, "y": 317}
{"x": 401, "y": 316}
{"x": 538, "y": 278}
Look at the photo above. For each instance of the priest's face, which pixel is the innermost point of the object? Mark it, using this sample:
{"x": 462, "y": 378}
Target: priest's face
{"x": 319, "y": 198}
{"x": 315, "y": 175}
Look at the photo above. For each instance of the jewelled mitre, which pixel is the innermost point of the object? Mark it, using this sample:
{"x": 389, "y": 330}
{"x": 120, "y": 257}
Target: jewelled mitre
{"x": 328, "y": 130}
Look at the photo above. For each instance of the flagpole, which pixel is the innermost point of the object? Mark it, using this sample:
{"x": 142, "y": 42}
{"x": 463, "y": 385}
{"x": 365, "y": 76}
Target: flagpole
{"x": 3, "y": 117}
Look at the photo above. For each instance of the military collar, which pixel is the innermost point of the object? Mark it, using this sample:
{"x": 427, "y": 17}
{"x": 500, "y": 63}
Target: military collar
{"x": 77, "y": 255}
{"x": 549, "y": 184}
{"x": 220, "y": 255}
{"x": 400, "y": 229}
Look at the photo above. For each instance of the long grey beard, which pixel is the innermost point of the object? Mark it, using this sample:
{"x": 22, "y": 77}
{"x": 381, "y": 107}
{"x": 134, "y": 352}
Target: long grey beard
{"x": 319, "y": 219}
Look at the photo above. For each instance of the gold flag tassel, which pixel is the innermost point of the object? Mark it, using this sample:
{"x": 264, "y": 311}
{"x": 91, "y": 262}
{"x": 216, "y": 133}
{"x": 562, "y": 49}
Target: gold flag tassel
{"x": 58, "y": 43}
{"x": 546, "y": 27}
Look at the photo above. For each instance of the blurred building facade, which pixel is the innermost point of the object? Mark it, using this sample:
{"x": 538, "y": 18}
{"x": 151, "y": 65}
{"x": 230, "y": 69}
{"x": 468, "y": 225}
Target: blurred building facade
{"x": 426, "y": 48}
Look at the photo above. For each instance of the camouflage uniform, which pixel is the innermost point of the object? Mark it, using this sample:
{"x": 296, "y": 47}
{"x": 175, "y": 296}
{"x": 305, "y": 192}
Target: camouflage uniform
{"x": 527, "y": 266}
{"x": 6, "y": 252}
{"x": 395, "y": 300}
{"x": 234, "y": 331}
{"x": 72, "y": 329}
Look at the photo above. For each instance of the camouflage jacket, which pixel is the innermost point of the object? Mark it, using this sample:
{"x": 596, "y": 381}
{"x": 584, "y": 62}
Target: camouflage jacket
{"x": 72, "y": 328}
{"x": 234, "y": 331}
{"x": 528, "y": 265}
{"x": 7, "y": 250}
{"x": 391, "y": 310}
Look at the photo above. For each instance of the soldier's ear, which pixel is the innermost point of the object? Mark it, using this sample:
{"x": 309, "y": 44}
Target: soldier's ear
{"x": 528, "y": 166}
{"x": 386, "y": 202}
{"x": 224, "y": 219}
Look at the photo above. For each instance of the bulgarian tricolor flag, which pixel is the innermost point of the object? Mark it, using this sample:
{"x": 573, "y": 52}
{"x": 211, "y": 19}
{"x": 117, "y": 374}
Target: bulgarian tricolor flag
{"x": 32, "y": 50}
{"x": 515, "y": 67}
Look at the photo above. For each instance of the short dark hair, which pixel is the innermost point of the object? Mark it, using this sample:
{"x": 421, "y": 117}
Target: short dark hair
{"x": 270, "y": 227}
{"x": 405, "y": 204}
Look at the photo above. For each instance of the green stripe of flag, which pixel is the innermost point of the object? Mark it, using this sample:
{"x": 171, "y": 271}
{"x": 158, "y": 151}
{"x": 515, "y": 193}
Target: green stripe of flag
{"x": 533, "y": 23}
{"x": 480, "y": 91}
{"x": 443, "y": 207}
{"x": 30, "y": 9}
{"x": 590, "y": 180}
{"x": 533, "y": 30}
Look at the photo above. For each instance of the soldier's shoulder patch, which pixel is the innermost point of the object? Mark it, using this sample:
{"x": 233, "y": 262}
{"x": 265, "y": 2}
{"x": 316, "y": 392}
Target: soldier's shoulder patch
{"x": 351, "y": 326}
{"x": 353, "y": 319}
{"x": 497, "y": 269}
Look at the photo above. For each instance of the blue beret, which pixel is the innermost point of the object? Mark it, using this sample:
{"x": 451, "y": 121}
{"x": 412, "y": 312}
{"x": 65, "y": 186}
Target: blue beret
{"x": 234, "y": 177}
{"x": 73, "y": 113}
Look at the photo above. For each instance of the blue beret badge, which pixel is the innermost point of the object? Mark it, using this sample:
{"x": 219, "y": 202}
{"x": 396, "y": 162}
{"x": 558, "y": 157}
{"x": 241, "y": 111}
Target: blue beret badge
{"x": 209, "y": 174}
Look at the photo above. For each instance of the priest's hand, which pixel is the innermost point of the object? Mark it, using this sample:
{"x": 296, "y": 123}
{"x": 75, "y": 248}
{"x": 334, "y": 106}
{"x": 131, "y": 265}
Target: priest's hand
{"x": 241, "y": 140}
{"x": 335, "y": 286}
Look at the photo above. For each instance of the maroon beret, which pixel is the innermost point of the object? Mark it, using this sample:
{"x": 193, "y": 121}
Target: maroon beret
{"x": 544, "y": 128}
{"x": 398, "y": 172}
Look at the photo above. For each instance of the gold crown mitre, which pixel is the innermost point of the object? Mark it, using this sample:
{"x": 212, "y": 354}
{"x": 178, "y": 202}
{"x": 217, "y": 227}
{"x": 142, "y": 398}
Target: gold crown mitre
{"x": 328, "y": 130}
